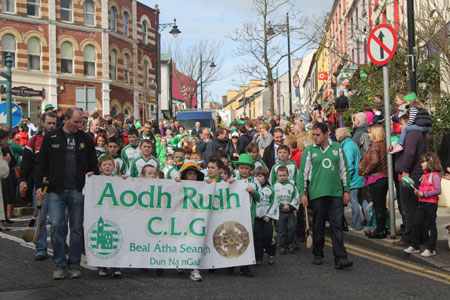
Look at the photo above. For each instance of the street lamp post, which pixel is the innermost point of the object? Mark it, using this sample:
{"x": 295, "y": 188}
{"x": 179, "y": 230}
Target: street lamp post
{"x": 271, "y": 31}
{"x": 159, "y": 28}
{"x": 212, "y": 65}
{"x": 411, "y": 46}
{"x": 8, "y": 76}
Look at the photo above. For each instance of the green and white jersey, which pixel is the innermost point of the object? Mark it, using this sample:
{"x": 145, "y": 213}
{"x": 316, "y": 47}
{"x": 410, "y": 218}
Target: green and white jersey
{"x": 129, "y": 154}
{"x": 139, "y": 163}
{"x": 266, "y": 202}
{"x": 172, "y": 173}
{"x": 292, "y": 168}
{"x": 259, "y": 163}
{"x": 255, "y": 196}
{"x": 325, "y": 170}
{"x": 285, "y": 194}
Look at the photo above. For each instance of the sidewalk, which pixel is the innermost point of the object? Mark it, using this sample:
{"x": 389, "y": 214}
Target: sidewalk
{"x": 439, "y": 261}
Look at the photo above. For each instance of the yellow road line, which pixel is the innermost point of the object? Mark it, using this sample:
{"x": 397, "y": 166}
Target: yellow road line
{"x": 406, "y": 267}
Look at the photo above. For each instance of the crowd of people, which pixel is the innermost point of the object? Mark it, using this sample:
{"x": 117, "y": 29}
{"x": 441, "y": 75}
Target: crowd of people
{"x": 291, "y": 163}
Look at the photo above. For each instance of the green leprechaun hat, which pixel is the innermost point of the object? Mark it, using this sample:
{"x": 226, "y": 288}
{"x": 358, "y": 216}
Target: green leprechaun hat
{"x": 245, "y": 159}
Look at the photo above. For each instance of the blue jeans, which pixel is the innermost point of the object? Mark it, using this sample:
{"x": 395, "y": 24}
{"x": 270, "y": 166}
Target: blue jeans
{"x": 74, "y": 201}
{"x": 401, "y": 139}
{"x": 286, "y": 229}
{"x": 357, "y": 199}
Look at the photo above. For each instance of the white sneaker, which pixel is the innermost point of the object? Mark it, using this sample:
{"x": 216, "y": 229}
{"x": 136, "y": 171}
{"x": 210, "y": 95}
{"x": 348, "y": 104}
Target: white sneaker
{"x": 195, "y": 275}
{"x": 428, "y": 253}
{"x": 411, "y": 250}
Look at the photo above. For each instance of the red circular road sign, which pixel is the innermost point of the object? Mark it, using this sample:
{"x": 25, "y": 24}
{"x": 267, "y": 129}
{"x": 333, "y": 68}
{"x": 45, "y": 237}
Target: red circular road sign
{"x": 296, "y": 81}
{"x": 382, "y": 44}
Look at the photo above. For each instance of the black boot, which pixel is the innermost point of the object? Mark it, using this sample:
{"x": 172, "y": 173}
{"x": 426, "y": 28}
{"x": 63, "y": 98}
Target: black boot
{"x": 380, "y": 232}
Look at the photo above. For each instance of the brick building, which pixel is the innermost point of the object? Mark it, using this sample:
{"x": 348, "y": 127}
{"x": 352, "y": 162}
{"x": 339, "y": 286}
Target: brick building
{"x": 95, "y": 54}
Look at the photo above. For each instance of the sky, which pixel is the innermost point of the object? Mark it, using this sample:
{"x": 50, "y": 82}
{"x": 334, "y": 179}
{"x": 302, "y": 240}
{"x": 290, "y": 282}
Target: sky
{"x": 215, "y": 19}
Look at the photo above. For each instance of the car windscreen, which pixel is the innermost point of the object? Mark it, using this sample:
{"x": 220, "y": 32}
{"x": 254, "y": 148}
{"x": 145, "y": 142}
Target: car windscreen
{"x": 190, "y": 124}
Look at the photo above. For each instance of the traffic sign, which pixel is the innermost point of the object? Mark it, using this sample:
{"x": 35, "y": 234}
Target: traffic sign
{"x": 382, "y": 44}
{"x": 296, "y": 81}
{"x": 323, "y": 76}
{"x": 16, "y": 114}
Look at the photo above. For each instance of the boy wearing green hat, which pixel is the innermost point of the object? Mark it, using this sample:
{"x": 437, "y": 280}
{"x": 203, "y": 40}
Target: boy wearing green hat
{"x": 245, "y": 166}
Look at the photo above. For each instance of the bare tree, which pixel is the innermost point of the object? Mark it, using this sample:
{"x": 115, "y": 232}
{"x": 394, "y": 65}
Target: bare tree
{"x": 263, "y": 51}
{"x": 187, "y": 59}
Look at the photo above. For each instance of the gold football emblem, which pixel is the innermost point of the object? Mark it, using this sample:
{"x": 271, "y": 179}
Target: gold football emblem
{"x": 231, "y": 239}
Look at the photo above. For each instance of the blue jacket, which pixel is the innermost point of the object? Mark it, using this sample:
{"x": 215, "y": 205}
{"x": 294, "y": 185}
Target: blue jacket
{"x": 353, "y": 156}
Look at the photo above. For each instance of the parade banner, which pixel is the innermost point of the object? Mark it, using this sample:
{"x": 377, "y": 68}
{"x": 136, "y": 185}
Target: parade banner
{"x": 157, "y": 223}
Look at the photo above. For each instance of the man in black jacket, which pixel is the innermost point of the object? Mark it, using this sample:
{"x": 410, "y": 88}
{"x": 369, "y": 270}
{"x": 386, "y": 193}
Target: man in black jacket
{"x": 244, "y": 139}
{"x": 270, "y": 156}
{"x": 65, "y": 157}
{"x": 408, "y": 163}
{"x": 209, "y": 145}
{"x": 27, "y": 166}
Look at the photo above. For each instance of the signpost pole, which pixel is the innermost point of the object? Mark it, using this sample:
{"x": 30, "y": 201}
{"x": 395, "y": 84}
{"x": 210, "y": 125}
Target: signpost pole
{"x": 387, "y": 124}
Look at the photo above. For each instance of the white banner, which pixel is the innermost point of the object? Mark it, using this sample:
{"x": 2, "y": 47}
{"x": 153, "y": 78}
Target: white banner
{"x": 156, "y": 223}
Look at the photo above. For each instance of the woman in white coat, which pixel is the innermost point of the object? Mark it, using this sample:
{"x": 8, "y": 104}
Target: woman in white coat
{"x": 4, "y": 170}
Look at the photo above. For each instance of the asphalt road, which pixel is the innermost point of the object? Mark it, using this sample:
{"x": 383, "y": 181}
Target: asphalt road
{"x": 373, "y": 276}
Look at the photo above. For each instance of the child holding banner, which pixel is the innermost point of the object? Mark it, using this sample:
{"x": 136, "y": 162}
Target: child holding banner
{"x": 245, "y": 166}
{"x": 214, "y": 166}
{"x": 263, "y": 231}
{"x": 145, "y": 158}
{"x": 191, "y": 171}
{"x": 107, "y": 167}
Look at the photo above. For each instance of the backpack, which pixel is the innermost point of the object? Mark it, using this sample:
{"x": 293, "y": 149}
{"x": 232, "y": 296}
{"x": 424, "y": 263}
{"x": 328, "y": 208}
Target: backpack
{"x": 423, "y": 118}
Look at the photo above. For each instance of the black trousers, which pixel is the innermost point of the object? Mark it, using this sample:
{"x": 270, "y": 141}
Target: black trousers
{"x": 331, "y": 209}
{"x": 263, "y": 234}
{"x": 378, "y": 193}
{"x": 424, "y": 217}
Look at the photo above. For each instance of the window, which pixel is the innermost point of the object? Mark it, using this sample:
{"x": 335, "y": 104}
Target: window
{"x": 114, "y": 65}
{"x": 146, "y": 75}
{"x": 8, "y": 46}
{"x": 144, "y": 32}
{"x": 114, "y": 111}
{"x": 126, "y": 68}
{"x": 33, "y": 8}
{"x": 66, "y": 10}
{"x": 85, "y": 98}
{"x": 9, "y": 6}
{"x": 34, "y": 54}
{"x": 89, "y": 13}
{"x": 67, "y": 58}
{"x": 125, "y": 23}
{"x": 112, "y": 18}
{"x": 89, "y": 60}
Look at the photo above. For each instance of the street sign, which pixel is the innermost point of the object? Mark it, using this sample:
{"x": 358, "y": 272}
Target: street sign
{"x": 382, "y": 44}
{"x": 297, "y": 92}
{"x": 16, "y": 114}
{"x": 323, "y": 76}
{"x": 296, "y": 81}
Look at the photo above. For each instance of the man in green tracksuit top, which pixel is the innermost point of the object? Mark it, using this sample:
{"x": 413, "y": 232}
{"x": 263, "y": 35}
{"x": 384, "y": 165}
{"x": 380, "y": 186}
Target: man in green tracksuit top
{"x": 324, "y": 172}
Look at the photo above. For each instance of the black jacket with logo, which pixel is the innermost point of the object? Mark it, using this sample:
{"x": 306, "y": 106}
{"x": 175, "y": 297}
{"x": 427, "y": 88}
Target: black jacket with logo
{"x": 51, "y": 159}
